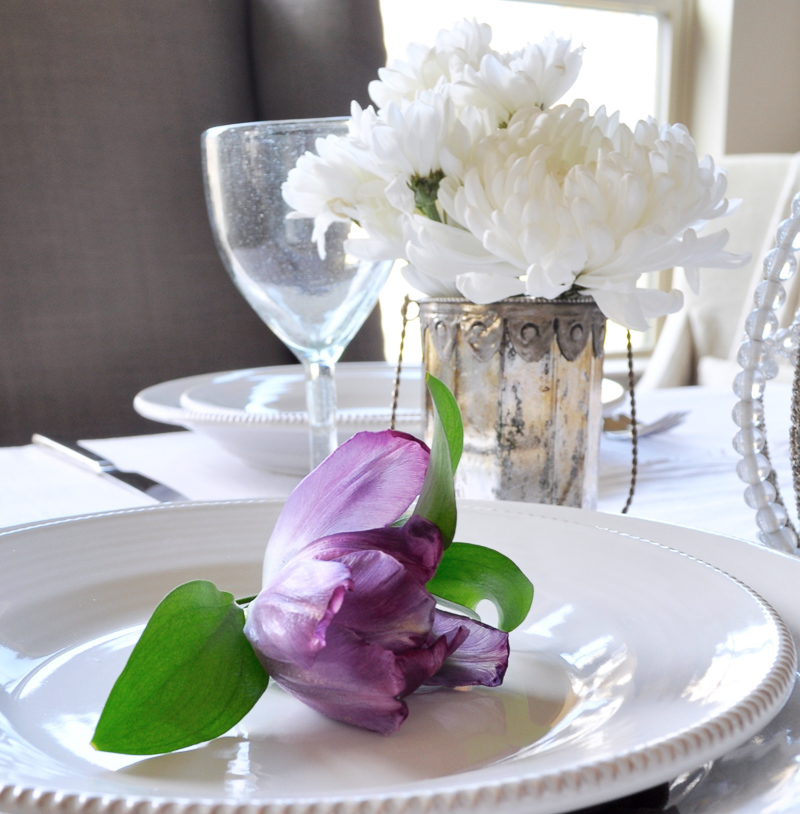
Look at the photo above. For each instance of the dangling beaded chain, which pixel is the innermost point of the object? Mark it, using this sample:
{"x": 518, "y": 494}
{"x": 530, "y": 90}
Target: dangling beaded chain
{"x": 399, "y": 368}
{"x": 763, "y": 341}
{"x": 634, "y": 430}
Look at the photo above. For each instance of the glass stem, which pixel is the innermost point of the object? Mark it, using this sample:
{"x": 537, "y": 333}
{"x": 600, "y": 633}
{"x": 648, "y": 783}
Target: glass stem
{"x": 321, "y": 400}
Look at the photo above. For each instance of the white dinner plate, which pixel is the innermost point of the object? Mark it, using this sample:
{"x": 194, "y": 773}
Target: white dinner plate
{"x": 259, "y": 415}
{"x": 255, "y": 414}
{"x": 613, "y": 685}
{"x": 364, "y": 394}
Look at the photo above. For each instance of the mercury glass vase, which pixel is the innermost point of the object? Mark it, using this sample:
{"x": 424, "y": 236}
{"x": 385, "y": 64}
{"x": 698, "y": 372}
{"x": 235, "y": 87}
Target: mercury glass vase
{"x": 527, "y": 376}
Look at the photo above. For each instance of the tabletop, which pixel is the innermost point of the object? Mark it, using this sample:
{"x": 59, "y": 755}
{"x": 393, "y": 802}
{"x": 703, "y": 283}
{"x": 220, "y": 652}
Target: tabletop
{"x": 686, "y": 477}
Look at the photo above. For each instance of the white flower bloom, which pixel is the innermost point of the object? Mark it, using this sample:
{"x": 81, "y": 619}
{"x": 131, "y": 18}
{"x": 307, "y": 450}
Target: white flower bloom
{"x": 634, "y": 306}
{"x": 471, "y": 126}
{"x": 552, "y": 65}
{"x": 561, "y": 199}
{"x": 324, "y": 186}
{"x": 384, "y": 229}
{"x": 468, "y": 172}
{"x": 442, "y": 253}
{"x": 464, "y": 45}
{"x": 424, "y": 282}
{"x": 404, "y": 79}
{"x": 537, "y": 76}
{"x": 409, "y": 137}
{"x": 361, "y": 123}
{"x": 340, "y": 183}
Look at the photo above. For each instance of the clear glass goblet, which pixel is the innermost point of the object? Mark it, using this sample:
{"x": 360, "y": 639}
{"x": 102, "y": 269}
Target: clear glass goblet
{"x": 314, "y": 306}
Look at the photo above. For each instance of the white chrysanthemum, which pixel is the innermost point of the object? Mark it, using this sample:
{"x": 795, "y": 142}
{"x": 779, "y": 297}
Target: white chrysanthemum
{"x": 561, "y": 199}
{"x": 422, "y": 138}
{"x": 537, "y": 76}
{"x": 408, "y": 138}
{"x": 463, "y": 46}
{"x": 404, "y": 79}
{"x": 369, "y": 176}
{"x": 553, "y": 201}
{"x": 552, "y": 65}
{"x": 471, "y": 126}
{"x": 383, "y": 233}
{"x": 341, "y": 183}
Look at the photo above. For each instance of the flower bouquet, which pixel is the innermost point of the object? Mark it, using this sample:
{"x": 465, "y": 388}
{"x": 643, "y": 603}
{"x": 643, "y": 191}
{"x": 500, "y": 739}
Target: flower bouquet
{"x": 468, "y": 170}
{"x": 540, "y": 218}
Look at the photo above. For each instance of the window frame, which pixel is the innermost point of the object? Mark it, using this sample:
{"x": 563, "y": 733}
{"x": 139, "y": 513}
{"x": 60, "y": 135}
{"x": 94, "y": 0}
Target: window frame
{"x": 675, "y": 18}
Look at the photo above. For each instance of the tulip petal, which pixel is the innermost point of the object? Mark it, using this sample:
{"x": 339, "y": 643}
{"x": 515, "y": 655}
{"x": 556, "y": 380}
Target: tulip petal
{"x": 417, "y": 545}
{"x": 350, "y": 681}
{"x": 289, "y": 619}
{"x": 420, "y": 665}
{"x": 482, "y": 658}
{"x": 368, "y": 482}
{"x": 387, "y": 606}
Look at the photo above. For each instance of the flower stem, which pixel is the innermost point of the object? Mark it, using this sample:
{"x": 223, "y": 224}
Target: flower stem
{"x": 426, "y": 191}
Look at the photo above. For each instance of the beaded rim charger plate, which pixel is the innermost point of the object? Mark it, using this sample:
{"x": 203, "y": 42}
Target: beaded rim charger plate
{"x": 599, "y": 701}
{"x": 258, "y": 414}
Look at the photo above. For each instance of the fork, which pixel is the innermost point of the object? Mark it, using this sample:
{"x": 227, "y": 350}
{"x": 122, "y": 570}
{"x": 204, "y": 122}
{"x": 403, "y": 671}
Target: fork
{"x": 619, "y": 426}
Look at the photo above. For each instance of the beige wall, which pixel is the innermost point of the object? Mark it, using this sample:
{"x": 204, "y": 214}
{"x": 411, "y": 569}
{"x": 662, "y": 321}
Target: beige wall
{"x": 744, "y": 74}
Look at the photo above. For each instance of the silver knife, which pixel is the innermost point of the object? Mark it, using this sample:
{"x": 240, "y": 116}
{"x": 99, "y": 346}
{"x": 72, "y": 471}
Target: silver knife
{"x": 96, "y": 463}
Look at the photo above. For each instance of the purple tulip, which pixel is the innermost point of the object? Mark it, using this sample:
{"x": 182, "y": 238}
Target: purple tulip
{"x": 344, "y": 621}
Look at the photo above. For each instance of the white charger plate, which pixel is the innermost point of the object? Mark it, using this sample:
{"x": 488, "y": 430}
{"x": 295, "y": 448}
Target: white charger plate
{"x": 258, "y": 414}
{"x": 614, "y": 686}
{"x": 278, "y": 395}
{"x": 270, "y": 431}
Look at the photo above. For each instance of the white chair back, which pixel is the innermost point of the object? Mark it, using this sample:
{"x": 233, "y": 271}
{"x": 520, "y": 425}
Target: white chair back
{"x": 699, "y": 344}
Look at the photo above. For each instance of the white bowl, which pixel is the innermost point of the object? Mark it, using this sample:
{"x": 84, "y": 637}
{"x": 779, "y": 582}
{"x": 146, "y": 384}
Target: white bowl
{"x": 259, "y": 416}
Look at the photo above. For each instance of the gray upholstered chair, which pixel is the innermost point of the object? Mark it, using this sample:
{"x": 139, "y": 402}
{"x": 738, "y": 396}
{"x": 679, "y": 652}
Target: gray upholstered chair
{"x": 109, "y": 278}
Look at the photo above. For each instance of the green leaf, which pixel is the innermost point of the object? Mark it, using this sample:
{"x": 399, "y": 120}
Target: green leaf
{"x": 191, "y": 677}
{"x": 437, "y": 498}
{"x": 446, "y": 408}
{"x": 470, "y": 573}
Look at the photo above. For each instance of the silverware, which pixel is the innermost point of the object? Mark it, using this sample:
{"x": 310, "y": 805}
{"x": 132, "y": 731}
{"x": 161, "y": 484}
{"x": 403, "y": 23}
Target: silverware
{"x": 619, "y": 426}
{"x": 99, "y": 465}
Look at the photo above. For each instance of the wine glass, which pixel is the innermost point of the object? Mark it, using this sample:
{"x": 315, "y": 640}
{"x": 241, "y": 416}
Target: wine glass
{"x": 314, "y": 306}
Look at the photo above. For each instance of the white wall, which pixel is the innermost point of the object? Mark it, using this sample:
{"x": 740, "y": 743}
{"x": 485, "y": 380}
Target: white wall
{"x": 764, "y": 84}
{"x": 744, "y": 76}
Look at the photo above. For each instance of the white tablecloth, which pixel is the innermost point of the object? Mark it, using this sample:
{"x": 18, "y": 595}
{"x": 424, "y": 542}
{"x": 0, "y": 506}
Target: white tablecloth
{"x": 687, "y": 476}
